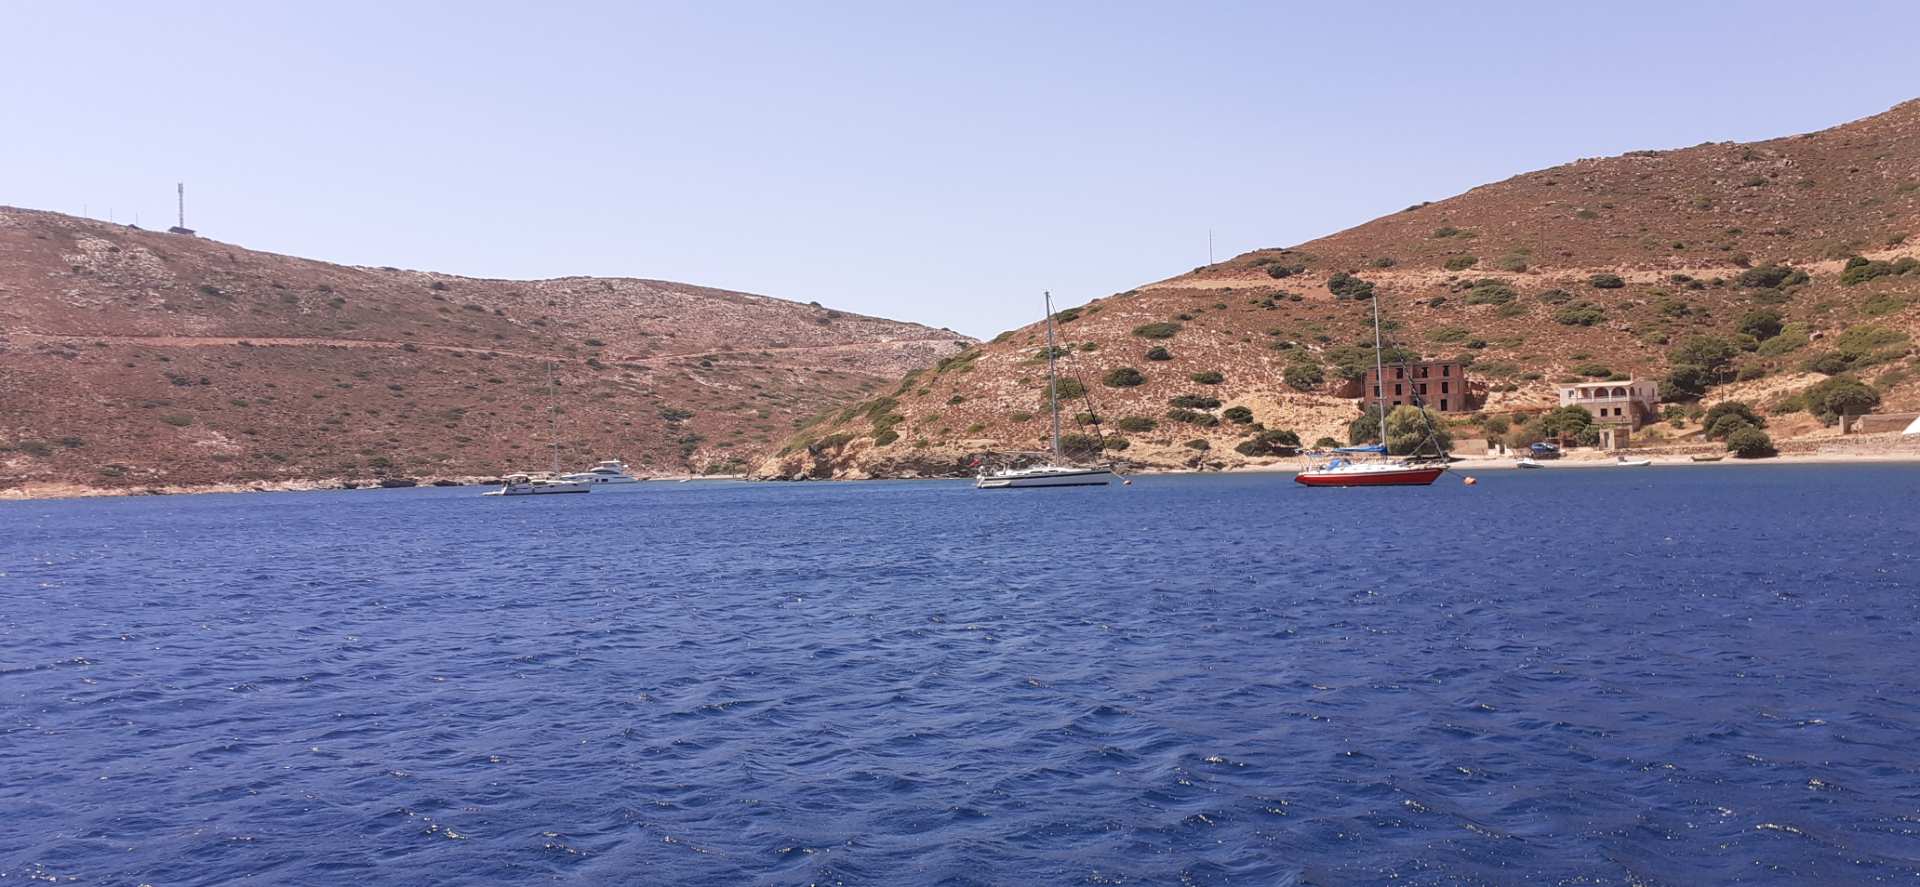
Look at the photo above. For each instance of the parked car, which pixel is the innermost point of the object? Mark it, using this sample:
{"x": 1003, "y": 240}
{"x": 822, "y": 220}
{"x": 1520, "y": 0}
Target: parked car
{"x": 1544, "y": 450}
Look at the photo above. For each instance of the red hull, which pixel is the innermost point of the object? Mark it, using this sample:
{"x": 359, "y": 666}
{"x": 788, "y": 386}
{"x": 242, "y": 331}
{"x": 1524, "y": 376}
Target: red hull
{"x": 1411, "y": 477}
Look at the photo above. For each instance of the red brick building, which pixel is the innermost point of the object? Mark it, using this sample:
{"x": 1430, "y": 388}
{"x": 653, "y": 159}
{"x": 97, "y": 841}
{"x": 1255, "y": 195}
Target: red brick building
{"x": 1439, "y": 385}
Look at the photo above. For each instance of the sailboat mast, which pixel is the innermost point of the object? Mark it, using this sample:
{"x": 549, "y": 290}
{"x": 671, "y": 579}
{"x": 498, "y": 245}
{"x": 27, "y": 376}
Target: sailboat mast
{"x": 1053, "y": 386}
{"x": 1379, "y": 372}
{"x": 553, "y": 421}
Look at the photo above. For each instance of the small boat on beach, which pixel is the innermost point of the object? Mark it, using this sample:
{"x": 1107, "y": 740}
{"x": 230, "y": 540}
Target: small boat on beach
{"x": 1625, "y": 462}
{"x": 1708, "y": 457}
{"x": 1528, "y": 462}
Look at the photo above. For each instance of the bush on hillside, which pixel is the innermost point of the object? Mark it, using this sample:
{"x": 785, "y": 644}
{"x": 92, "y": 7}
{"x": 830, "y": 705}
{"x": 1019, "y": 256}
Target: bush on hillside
{"x": 1840, "y": 396}
{"x": 1198, "y": 444}
{"x": 1579, "y": 314}
{"x": 1364, "y": 430}
{"x": 1270, "y": 443}
{"x": 1767, "y": 276}
{"x": 1122, "y": 377}
{"x": 1161, "y": 330}
{"x": 1490, "y": 292}
{"x": 1135, "y": 423}
{"x": 1238, "y": 415}
{"x": 1555, "y": 296}
{"x": 1078, "y": 446}
{"x": 1605, "y": 281}
{"x": 1732, "y": 408}
{"x": 1345, "y": 286}
{"x": 1194, "y": 402}
{"x": 1208, "y": 377}
{"x": 1303, "y": 376}
{"x": 1460, "y": 262}
{"x": 1159, "y": 353}
{"x": 1762, "y": 324}
{"x": 1325, "y": 443}
{"x": 1860, "y": 270}
{"x": 1193, "y": 417}
{"x": 1750, "y": 443}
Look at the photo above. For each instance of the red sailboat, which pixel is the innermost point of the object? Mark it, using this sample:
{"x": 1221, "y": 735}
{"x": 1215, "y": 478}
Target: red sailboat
{"x": 1344, "y": 470}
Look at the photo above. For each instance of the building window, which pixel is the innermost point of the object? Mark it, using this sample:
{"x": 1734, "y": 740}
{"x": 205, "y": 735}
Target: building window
{"x": 1446, "y": 370}
{"x": 1443, "y": 404}
{"x": 1399, "y": 372}
{"x": 1396, "y": 390}
{"x": 1443, "y": 387}
{"x": 1376, "y": 391}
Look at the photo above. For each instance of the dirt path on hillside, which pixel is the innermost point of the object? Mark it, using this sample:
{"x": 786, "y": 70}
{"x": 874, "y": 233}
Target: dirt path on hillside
{"x": 274, "y": 342}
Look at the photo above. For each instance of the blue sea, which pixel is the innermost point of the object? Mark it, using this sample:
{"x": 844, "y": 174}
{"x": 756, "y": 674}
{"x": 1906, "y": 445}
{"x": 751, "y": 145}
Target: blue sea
{"x": 1664, "y": 676}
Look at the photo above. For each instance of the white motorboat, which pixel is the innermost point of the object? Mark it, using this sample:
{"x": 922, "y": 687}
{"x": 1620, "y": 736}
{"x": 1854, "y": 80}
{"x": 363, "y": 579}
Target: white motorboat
{"x": 528, "y": 485}
{"x": 1528, "y": 462}
{"x": 1056, "y": 473}
{"x": 1625, "y": 462}
{"x": 608, "y": 471}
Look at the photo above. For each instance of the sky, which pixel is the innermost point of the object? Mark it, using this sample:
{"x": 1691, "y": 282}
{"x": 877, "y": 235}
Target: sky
{"x": 935, "y": 163}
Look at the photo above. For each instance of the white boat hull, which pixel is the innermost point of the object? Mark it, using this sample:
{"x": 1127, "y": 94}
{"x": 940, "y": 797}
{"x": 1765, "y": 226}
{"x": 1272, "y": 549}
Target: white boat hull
{"x": 541, "y": 488}
{"x": 1045, "y": 477}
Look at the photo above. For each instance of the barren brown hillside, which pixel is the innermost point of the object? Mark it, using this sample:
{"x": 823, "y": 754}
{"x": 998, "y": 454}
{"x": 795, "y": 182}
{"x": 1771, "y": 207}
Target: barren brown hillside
{"x": 131, "y": 358}
{"x": 1593, "y": 269}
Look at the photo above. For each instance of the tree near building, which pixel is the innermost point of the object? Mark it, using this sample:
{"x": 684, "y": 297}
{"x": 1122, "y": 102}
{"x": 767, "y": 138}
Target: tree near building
{"x": 1410, "y": 428}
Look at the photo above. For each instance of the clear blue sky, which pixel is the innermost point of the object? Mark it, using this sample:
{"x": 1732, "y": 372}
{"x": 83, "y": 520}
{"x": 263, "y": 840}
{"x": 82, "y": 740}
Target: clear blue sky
{"x": 941, "y": 165}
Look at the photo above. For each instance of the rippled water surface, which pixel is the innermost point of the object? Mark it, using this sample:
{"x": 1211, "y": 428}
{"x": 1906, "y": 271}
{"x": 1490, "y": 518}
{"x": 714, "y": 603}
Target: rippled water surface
{"x": 1653, "y": 676}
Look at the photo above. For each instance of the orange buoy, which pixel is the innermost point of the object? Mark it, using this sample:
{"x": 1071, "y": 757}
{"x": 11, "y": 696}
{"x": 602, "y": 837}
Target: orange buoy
{"x": 1469, "y": 480}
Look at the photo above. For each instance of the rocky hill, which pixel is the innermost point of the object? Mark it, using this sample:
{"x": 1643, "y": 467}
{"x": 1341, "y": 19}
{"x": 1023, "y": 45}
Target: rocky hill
{"x": 1725, "y": 270}
{"x": 132, "y": 358}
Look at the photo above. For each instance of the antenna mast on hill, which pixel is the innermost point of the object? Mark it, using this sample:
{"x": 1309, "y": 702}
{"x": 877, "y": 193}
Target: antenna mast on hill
{"x": 180, "y": 192}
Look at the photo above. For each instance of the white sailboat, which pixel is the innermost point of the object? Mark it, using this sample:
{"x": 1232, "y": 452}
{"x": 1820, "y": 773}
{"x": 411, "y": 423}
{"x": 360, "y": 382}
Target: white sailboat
{"x": 1052, "y": 474}
{"x": 525, "y": 484}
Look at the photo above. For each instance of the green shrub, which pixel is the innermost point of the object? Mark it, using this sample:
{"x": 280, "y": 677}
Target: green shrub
{"x": 1159, "y": 353}
{"x": 1766, "y": 277}
{"x": 1382, "y": 262}
{"x": 1448, "y": 334}
{"x": 1198, "y": 444}
{"x": 1830, "y": 399}
{"x": 1195, "y": 402}
{"x": 1325, "y": 443}
{"x": 1123, "y": 377}
{"x": 1750, "y": 443}
{"x": 1555, "y": 296}
{"x": 1762, "y": 324}
{"x": 1161, "y": 330}
{"x": 1490, "y": 292}
{"x": 1445, "y": 231}
{"x": 1135, "y": 423}
{"x": 1238, "y": 415}
{"x": 1115, "y": 442}
{"x": 1687, "y": 381}
{"x": 1860, "y": 270}
{"x": 177, "y": 420}
{"x": 1711, "y": 352}
{"x": 1514, "y": 263}
{"x": 1303, "y": 376}
{"x": 1270, "y": 443}
{"x": 1345, "y": 286}
{"x": 1827, "y": 363}
{"x": 1066, "y": 389}
{"x": 1078, "y": 446}
{"x": 1208, "y": 377}
{"x": 885, "y": 437}
{"x": 1066, "y": 315}
{"x": 1460, "y": 262}
{"x": 1594, "y": 370}
{"x": 1020, "y": 416}
{"x": 1579, "y": 314}
{"x": 1606, "y": 281}
{"x": 1364, "y": 430}
{"x": 1409, "y": 428}
{"x": 1737, "y": 409}
{"x": 1193, "y": 417}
